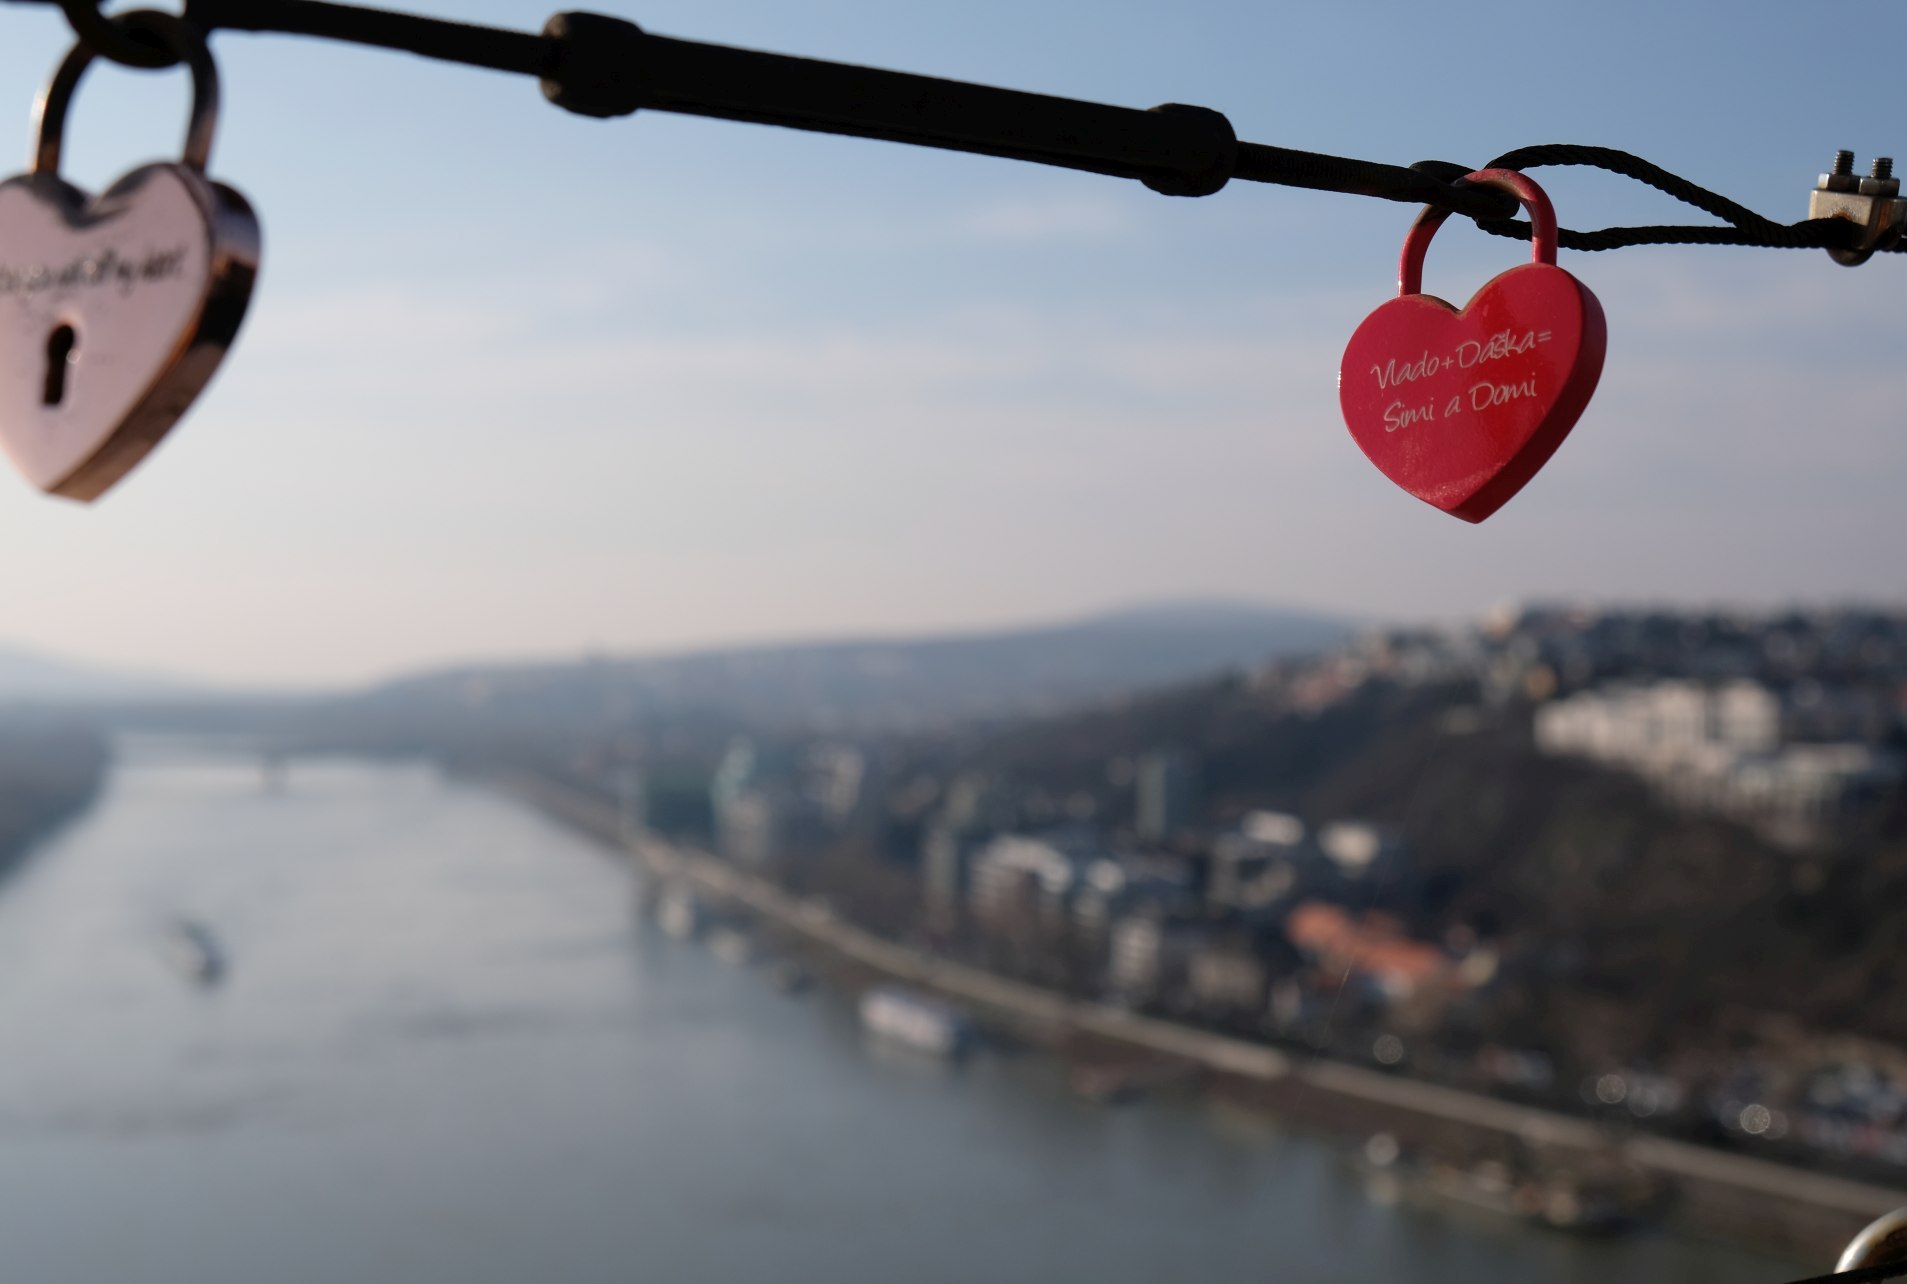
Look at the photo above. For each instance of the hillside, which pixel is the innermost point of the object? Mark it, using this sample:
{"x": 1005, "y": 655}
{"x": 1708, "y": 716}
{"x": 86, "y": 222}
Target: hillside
{"x": 868, "y": 685}
{"x": 32, "y": 677}
{"x": 1631, "y": 931}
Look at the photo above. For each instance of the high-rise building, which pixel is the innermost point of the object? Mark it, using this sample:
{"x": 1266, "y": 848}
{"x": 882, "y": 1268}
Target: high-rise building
{"x": 1166, "y": 785}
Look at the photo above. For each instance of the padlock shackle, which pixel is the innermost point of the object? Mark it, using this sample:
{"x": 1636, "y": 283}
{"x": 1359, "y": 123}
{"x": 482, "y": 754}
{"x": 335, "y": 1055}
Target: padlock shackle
{"x": 49, "y": 113}
{"x": 1410, "y": 265}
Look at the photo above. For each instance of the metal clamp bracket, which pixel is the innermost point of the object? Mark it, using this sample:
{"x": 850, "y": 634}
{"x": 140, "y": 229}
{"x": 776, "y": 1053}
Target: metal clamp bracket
{"x": 1873, "y": 202}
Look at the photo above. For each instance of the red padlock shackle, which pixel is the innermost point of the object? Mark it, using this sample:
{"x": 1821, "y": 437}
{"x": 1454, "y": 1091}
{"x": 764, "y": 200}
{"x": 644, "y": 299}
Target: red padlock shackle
{"x": 1410, "y": 266}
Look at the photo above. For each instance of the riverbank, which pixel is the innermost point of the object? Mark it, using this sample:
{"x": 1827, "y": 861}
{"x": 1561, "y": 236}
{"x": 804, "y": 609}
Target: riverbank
{"x": 1808, "y": 1215}
{"x": 51, "y": 771}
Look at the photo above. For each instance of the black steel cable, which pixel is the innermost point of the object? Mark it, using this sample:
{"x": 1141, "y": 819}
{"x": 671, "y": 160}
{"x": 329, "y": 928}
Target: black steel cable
{"x": 1261, "y": 163}
{"x": 602, "y": 66}
{"x": 438, "y": 38}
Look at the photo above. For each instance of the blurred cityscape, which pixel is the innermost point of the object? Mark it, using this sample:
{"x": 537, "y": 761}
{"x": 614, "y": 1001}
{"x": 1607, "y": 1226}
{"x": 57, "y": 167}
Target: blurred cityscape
{"x": 1634, "y": 865}
{"x": 1635, "y": 868}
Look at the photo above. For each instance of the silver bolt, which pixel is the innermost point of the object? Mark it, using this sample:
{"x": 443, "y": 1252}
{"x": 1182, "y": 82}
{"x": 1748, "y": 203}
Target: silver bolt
{"x": 1883, "y": 167}
{"x": 1843, "y": 164}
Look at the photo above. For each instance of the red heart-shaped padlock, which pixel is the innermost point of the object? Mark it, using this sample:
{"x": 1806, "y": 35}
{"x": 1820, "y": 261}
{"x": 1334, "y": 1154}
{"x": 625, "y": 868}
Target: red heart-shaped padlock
{"x": 1461, "y": 408}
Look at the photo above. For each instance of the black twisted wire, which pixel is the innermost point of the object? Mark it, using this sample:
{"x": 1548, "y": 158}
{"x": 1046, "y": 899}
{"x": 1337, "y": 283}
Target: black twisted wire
{"x": 116, "y": 38}
{"x": 1642, "y": 171}
{"x": 1745, "y": 227}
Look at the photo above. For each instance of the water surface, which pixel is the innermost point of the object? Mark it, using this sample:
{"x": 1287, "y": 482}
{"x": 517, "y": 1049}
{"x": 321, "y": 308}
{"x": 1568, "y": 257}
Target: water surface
{"x": 447, "y": 1051}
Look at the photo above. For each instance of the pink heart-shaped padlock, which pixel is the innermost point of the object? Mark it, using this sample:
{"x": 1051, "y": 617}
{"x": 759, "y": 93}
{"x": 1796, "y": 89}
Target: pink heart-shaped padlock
{"x": 1462, "y": 407}
{"x": 115, "y": 311}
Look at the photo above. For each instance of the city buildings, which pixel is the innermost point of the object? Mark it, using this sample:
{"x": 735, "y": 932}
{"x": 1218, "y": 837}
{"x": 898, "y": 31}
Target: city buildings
{"x": 1736, "y": 747}
{"x": 1166, "y": 787}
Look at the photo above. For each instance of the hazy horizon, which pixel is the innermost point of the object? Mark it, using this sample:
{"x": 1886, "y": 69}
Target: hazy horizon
{"x": 215, "y": 682}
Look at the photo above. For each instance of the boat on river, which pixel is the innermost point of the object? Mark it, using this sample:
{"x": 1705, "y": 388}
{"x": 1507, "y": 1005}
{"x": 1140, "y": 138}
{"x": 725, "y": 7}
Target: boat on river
{"x": 1581, "y": 1202}
{"x": 916, "y": 1021}
{"x": 194, "y": 952}
{"x": 679, "y": 913}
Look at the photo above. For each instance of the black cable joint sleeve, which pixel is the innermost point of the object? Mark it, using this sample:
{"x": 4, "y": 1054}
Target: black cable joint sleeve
{"x": 593, "y": 64}
{"x": 1213, "y": 158}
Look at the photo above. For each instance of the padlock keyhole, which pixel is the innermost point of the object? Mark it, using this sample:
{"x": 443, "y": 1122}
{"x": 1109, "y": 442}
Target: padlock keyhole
{"x": 60, "y": 346}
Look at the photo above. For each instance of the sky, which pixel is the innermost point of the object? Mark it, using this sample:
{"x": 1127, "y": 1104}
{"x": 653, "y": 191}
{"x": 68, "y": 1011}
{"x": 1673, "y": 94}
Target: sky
{"x": 517, "y": 383}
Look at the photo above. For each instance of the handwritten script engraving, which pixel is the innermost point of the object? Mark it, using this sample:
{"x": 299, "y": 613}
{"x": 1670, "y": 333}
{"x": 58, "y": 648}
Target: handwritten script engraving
{"x": 1474, "y": 352}
{"x": 1398, "y": 415}
{"x": 1485, "y": 395}
{"x": 1423, "y": 368}
{"x": 93, "y": 271}
{"x": 1467, "y": 355}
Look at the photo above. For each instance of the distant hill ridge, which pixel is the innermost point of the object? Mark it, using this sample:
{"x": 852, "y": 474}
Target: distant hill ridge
{"x": 880, "y": 682}
{"x": 894, "y": 681}
{"x": 33, "y": 677}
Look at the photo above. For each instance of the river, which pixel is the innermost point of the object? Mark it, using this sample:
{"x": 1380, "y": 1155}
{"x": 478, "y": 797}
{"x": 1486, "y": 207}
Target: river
{"x": 447, "y": 1050}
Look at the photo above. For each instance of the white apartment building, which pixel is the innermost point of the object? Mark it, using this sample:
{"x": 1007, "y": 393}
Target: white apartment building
{"x": 1724, "y": 748}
